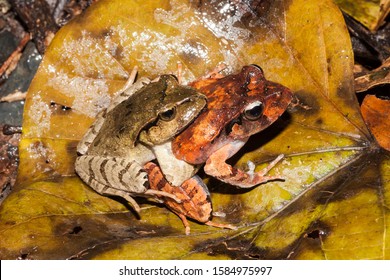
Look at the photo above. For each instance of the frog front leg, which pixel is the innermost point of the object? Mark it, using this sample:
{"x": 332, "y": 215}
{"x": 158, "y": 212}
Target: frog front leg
{"x": 175, "y": 171}
{"x": 117, "y": 176}
{"x": 217, "y": 167}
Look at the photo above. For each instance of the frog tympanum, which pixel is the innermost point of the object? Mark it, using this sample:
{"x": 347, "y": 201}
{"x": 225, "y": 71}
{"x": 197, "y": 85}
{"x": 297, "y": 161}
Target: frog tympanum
{"x": 111, "y": 155}
{"x": 238, "y": 106}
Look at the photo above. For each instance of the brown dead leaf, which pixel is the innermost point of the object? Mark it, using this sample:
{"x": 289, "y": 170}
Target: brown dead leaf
{"x": 375, "y": 112}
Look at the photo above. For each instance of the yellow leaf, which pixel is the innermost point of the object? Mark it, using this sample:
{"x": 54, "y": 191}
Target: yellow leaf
{"x": 303, "y": 45}
{"x": 371, "y": 13}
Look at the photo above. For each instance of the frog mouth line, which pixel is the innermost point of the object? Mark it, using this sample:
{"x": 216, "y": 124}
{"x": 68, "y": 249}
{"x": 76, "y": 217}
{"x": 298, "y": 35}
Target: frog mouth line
{"x": 229, "y": 126}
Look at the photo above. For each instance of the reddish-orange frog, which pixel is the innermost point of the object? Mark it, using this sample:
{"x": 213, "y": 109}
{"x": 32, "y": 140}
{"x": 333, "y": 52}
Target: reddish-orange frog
{"x": 238, "y": 106}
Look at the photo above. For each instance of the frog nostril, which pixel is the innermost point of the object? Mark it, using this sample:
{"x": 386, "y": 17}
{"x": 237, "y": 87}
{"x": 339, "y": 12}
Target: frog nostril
{"x": 278, "y": 94}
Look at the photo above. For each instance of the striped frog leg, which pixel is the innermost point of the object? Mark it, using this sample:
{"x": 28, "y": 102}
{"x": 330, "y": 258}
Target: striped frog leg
{"x": 118, "y": 177}
{"x": 193, "y": 193}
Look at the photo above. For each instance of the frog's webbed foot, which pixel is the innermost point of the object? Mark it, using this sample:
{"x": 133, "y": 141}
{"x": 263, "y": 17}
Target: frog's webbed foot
{"x": 218, "y": 225}
{"x": 215, "y": 73}
{"x": 209, "y": 223}
{"x": 271, "y": 165}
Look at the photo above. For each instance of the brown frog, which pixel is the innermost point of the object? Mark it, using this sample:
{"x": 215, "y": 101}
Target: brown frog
{"x": 115, "y": 148}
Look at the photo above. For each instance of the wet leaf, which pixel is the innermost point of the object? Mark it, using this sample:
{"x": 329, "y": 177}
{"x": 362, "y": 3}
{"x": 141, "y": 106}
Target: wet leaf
{"x": 375, "y": 112}
{"x": 371, "y": 13}
{"x": 332, "y": 203}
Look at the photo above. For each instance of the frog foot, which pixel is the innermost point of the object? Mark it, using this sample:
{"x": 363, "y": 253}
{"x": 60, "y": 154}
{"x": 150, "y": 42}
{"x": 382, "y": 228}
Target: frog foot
{"x": 255, "y": 178}
{"x": 131, "y": 79}
{"x": 218, "y": 168}
{"x": 215, "y": 73}
{"x": 269, "y": 167}
{"x": 130, "y": 200}
{"x": 218, "y": 225}
{"x": 209, "y": 223}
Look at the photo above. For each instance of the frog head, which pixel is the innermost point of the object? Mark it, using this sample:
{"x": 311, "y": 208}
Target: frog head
{"x": 238, "y": 106}
{"x": 177, "y": 107}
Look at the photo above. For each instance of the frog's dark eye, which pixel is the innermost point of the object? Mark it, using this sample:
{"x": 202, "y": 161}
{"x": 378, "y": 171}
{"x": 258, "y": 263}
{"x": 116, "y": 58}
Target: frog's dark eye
{"x": 254, "y": 111}
{"x": 168, "y": 114}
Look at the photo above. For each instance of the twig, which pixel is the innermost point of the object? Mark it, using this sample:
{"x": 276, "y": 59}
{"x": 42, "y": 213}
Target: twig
{"x": 15, "y": 53}
{"x": 15, "y": 96}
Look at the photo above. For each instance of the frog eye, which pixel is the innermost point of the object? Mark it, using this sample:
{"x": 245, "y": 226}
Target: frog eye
{"x": 254, "y": 111}
{"x": 168, "y": 115}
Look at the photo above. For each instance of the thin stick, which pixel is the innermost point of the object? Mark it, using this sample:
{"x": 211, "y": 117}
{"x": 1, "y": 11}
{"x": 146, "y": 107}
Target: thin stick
{"x": 15, "y": 96}
{"x": 15, "y": 53}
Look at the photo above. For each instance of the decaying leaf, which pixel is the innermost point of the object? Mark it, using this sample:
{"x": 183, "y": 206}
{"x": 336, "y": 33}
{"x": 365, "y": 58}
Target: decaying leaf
{"x": 332, "y": 203}
{"x": 372, "y": 13}
{"x": 375, "y": 112}
{"x": 9, "y": 160}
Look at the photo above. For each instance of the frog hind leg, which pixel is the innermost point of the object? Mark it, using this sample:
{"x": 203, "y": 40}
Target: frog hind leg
{"x": 196, "y": 198}
{"x": 106, "y": 190}
{"x": 109, "y": 176}
{"x": 184, "y": 220}
{"x": 117, "y": 173}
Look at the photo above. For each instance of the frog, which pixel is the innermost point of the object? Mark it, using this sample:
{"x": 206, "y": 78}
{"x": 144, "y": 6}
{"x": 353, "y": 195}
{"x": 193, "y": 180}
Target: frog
{"x": 238, "y": 106}
{"x": 114, "y": 149}
{"x": 193, "y": 193}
